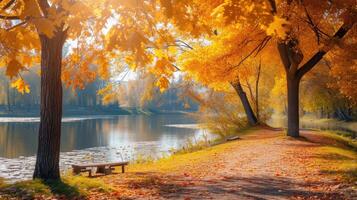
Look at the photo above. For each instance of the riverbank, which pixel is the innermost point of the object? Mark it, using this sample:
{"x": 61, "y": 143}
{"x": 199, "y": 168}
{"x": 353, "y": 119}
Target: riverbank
{"x": 346, "y": 128}
{"x": 264, "y": 164}
{"x": 309, "y": 122}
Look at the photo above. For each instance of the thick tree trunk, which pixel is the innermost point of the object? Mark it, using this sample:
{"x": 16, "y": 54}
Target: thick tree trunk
{"x": 252, "y": 119}
{"x": 293, "y": 106}
{"x": 47, "y": 163}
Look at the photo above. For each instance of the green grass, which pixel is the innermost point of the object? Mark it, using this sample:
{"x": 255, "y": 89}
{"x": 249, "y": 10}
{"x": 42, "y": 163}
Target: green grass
{"x": 2, "y": 183}
{"x": 338, "y": 156}
{"x": 340, "y": 138}
{"x": 70, "y": 187}
{"x": 342, "y": 162}
{"x": 193, "y": 145}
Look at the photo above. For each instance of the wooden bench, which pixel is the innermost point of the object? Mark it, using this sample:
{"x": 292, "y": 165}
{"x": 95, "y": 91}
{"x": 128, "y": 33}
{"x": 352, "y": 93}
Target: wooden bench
{"x": 104, "y": 168}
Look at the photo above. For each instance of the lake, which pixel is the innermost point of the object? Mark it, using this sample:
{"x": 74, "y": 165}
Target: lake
{"x": 107, "y": 139}
{"x": 18, "y": 136}
{"x": 94, "y": 139}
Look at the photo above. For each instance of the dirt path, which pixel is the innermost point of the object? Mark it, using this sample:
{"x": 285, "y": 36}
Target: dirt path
{"x": 265, "y": 165}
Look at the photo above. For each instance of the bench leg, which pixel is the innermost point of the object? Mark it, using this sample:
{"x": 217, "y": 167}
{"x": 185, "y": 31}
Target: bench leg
{"x": 101, "y": 170}
{"x": 108, "y": 171}
{"x": 76, "y": 171}
{"x": 122, "y": 169}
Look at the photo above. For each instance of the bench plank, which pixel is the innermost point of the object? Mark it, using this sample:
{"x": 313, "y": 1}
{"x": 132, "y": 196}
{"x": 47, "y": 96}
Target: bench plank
{"x": 100, "y": 164}
{"x": 105, "y": 168}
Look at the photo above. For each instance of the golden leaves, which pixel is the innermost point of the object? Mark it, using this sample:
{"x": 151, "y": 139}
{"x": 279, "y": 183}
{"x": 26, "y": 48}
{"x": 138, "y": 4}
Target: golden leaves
{"x": 21, "y": 86}
{"x": 78, "y": 71}
{"x": 103, "y": 67}
{"x": 162, "y": 83}
{"x": 279, "y": 27}
{"x": 218, "y": 12}
{"x": 107, "y": 94}
{"x": 132, "y": 41}
{"x": 13, "y": 68}
{"x": 163, "y": 64}
{"x": 31, "y": 9}
{"x": 130, "y": 4}
{"x": 45, "y": 26}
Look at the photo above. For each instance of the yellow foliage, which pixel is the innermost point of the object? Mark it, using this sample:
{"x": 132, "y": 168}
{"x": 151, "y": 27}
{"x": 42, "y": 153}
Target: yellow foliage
{"x": 163, "y": 83}
{"x": 278, "y": 27}
{"x": 107, "y": 94}
{"x": 44, "y": 26}
{"x": 30, "y": 8}
{"x": 13, "y": 68}
{"x": 21, "y": 86}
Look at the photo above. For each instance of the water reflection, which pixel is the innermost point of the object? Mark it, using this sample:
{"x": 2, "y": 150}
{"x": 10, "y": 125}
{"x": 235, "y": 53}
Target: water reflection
{"x": 20, "y": 139}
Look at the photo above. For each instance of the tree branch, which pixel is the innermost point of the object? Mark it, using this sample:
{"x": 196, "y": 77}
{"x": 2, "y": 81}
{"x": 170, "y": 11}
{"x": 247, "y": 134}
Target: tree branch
{"x": 10, "y": 3}
{"x": 44, "y": 6}
{"x": 187, "y": 45}
{"x": 17, "y": 25}
{"x": 341, "y": 32}
{"x": 257, "y": 49}
{"x": 273, "y": 6}
{"x": 284, "y": 55}
{"x": 9, "y": 17}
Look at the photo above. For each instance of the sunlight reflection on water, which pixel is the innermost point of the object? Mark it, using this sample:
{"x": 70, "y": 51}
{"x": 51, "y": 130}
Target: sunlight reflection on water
{"x": 94, "y": 139}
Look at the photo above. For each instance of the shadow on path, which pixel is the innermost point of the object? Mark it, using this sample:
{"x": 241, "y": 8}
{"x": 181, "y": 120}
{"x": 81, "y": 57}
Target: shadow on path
{"x": 229, "y": 187}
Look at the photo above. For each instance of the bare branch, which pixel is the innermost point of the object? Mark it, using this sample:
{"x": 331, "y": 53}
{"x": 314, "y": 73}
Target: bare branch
{"x": 273, "y": 6}
{"x": 312, "y": 24}
{"x": 187, "y": 45}
{"x": 177, "y": 68}
{"x": 256, "y": 50}
{"x": 17, "y": 25}
{"x": 44, "y": 6}
{"x": 10, "y": 3}
{"x": 341, "y": 32}
{"x": 5, "y": 17}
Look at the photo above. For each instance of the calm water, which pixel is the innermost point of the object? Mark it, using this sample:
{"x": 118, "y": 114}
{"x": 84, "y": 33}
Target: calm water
{"x": 159, "y": 133}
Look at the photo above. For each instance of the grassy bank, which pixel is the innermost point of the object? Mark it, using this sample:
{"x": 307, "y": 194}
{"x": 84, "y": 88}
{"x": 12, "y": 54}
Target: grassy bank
{"x": 69, "y": 187}
{"x": 338, "y": 157}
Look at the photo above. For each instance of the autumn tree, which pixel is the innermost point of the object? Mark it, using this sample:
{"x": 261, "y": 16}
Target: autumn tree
{"x": 304, "y": 31}
{"x": 292, "y": 54}
{"x": 36, "y": 30}
{"x": 215, "y": 66}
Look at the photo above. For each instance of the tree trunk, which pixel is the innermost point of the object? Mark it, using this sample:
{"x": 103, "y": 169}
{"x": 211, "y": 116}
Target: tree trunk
{"x": 49, "y": 137}
{"x": 8, "y": 100}
{"x": 252, "y": 119}
{"x": 293, "y": 106}
{"x": 257, "y": 90}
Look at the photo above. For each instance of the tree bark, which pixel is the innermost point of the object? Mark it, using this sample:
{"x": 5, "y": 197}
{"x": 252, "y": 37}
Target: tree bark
{"x": 252, "y": 119}
{"x": 49, "y": 137}
{"x": 293, "y": 106}
{"x": 257, "y": 90}
{"x": 8, "y": 99}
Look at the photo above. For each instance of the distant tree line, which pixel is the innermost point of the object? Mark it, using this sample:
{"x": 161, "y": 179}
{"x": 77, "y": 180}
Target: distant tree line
{"x": 131, "y": 96}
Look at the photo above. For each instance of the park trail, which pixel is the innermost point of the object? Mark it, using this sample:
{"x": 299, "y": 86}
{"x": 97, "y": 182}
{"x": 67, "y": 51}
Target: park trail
{"x": 262, "y": 165}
